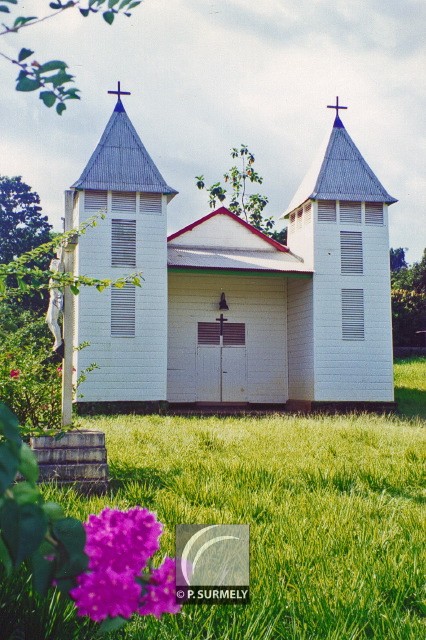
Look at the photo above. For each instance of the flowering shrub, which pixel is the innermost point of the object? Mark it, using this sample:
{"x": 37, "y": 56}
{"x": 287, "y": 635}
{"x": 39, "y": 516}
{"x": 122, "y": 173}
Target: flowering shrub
{"x": 30, "y": 385}
{"x": 30, "y": 382}
{"x": 119, "y": 545}
{"x": 104, "y": 565}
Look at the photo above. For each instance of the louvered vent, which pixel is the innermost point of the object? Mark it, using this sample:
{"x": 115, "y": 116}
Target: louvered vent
{"x": 350, "y": 212}
{"x": 292, "y": 222}
{"x": 150, "y": 203}
{"x": 299, "y": 219}
{"x": 351, "y": 252}
{"x": 373, "y": 213}
{"x": 352, "y": 314}
{"x": 326, "y": 211}
{"x": 123, "y": 201}
{"x": 308, "y": 212}
{"x": 234, "y": 334}
{"x": 95, "y": 200}
{"x": 209, "y": 333}
{"x": 123, "y": 312}
{"x": 123, "y": 243}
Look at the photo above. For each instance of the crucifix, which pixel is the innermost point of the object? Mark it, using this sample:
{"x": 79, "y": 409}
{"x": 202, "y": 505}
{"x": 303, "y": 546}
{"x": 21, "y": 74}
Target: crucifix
{"x": 119, "y": 92}
{"x": 221, "y": 320}
{"x": 336, "y": 106}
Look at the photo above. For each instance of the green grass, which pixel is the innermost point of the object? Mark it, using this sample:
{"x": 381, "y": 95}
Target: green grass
{"x": 410, "y": 386}
{"x": 336, "y": 507}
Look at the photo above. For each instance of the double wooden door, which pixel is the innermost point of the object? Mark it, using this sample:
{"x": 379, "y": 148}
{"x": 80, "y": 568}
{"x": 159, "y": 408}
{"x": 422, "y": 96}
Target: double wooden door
{"x": 221, "y": 362}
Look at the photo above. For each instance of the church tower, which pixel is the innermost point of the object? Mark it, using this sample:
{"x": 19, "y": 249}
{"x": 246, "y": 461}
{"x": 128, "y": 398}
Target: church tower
{"x": 339, "y": 323}
{"x": 126, "y": 327}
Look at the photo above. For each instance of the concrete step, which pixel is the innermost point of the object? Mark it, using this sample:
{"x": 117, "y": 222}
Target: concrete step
{"x": 77, "y": 455}
{"x": 73, "y": 472}
{"x": 70, "y": 440}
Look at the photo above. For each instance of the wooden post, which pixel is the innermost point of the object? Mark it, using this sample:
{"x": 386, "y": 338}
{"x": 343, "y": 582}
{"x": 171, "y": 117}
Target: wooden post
{"x": 68, "y": 318}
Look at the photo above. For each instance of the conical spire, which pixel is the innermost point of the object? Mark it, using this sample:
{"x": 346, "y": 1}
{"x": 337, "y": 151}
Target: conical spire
{"x": 341, "y": 173}
{"x": 120, "y": 162}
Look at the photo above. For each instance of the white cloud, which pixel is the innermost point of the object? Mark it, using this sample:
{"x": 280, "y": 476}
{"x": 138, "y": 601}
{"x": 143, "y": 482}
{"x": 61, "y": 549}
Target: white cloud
{"x": 206, "y": 76}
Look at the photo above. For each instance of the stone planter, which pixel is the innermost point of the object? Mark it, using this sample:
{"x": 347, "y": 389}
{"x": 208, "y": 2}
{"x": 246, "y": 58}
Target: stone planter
{"x": 78, "y": 457}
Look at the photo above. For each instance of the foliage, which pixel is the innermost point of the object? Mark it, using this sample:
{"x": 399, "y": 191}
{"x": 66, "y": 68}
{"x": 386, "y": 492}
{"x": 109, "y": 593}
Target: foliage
{"x": 51, "y": 78}
{"x": 397, "y": 259}
{"x": 408, "y": 300}
{"x": 242, "y": 203}
{"x": 30, "y": 378}
{"x": 22, "y": 228}
{"x": 22, "y": 225}
{"x": 29, "y": 384}
{"x": 408, "y": 317}
{"x": 32, "y": 278}
{"x": 64, "y": 555}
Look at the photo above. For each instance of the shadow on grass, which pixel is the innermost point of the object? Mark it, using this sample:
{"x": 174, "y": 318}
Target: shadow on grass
{"x": 411, "y": 402}
{"x": 149, "y": 479}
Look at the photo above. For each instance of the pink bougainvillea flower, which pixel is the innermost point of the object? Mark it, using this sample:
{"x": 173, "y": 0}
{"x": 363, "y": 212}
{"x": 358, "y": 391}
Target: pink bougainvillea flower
{"x": 159, "y": 596}
{"x": 119, "y": 545}
{"x": 59, "y": 370}
{"x": 122, "y": 540}
{"x": 106, "y": 593}
{"x": 15, "y": 373}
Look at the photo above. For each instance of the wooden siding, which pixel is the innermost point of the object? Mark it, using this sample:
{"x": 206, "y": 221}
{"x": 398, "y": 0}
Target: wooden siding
{"x": 222, "y": 232}
{"x": 133, "y": 368}
{"x": 356, "y": 370}
{"x": 258, "y": 302}
{"x": 300, "y": 340}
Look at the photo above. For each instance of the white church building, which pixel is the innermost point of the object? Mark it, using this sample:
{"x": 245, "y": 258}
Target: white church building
{"x": 227, "y": 316}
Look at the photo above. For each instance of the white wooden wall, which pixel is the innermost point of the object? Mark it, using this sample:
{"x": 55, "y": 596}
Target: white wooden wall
{"x": 358, "y": 370}
{"x": 133, "y": 368}
{"x": 221, "y": 231}
{"x": 300, "y": 328}
{"x": 343, "y": 370}
{"x": 259, "y": 302}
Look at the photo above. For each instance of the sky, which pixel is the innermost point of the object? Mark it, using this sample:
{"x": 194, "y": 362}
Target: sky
{"x": 207, "y": 76}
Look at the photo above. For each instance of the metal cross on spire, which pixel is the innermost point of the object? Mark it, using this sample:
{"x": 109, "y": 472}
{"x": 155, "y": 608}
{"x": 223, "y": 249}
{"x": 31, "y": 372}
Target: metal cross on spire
{"x": 336, "y": 106}
{"x": 119, "y": 92}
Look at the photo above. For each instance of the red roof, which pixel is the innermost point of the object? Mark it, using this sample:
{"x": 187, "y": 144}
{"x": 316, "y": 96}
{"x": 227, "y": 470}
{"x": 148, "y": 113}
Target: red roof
{"x": 223, "y": 211}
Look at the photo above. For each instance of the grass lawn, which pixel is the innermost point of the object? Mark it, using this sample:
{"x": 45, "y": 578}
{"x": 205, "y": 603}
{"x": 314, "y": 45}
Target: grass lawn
{"x": 335, "y": 505}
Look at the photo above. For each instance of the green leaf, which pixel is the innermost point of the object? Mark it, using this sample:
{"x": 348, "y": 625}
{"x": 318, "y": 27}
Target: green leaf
{"x": 25, "y": 493}
{"x": 5, "y": 558}
{"x": 24, "y": 527}
{"x": 28, "y": 465}
{"x": 8, "y": 466}
{"x": 48, "y": 98}
{"x": 4, "y": 9}
{"x": 26, "y": 84}
{"x": 108, "y": 16}
{"x": 111, "y": 624}
{"x": 112, "y": 3}
{"x": 19, "y": 22}
{"x": 75, "y": 290}
{"x": 59, "y": 78}
{"x": 64, "y": 584}
{"x": 133, "y": 5}
{"x": 60, "y": 108}
{"x": 72, "y": 536}
{"x": 84, "y": 12}
{"x": 24, "y": 53}
{"x": 9, "y": 424}
{"x": 52, "y": 65}
{"x": 53, "y": 511}
{"x": 43, "y": 567}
